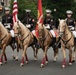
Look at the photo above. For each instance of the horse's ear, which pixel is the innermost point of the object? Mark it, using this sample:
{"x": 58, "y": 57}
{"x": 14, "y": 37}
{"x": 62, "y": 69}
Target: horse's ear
{"x": 59, "y": 19}
{"x": 18, "y": 22}
{"x": 65, "y": 19}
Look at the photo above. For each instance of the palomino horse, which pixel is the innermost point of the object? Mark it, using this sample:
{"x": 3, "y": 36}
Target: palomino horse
{"x": 26, "y": 39}
{"x": 45, "y": 41}
{"x": 5, "y": 40}
{"x": 67, "y": 41}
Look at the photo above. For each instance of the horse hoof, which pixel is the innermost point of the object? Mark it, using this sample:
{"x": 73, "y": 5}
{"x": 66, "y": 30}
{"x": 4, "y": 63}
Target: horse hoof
{"x": 63, "y": 66}
{"x": 5, "y": 62}
{"x": 54, "y": 60}
{"x": 46, "y": 62}
{"x": 35, "y": 59}
{"x": 26, "y": 62}
{"x": 21, "y": 65}
{"x": 0, "y": 63}
{"x": 73, "y": 61}
{"x": 16, "y": 58}
{"x": 42, "y": 65}
{"x": 13, "y": 57}
{"x": 70, "y": 64}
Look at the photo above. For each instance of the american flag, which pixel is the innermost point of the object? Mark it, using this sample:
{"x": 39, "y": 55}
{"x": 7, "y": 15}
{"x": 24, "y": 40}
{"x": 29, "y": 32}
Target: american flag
{"x": 15, "y": 11}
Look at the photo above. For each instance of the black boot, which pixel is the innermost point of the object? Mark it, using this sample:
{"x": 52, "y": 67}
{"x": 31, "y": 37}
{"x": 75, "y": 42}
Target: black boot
{"x": 54, "y": 42}
{"x": 74, "y": 40}
{"x": 13, "y": 42}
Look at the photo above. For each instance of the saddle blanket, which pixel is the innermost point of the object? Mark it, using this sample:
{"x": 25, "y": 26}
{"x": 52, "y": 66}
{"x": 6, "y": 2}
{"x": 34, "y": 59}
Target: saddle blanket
{"x": 53, "y": 32}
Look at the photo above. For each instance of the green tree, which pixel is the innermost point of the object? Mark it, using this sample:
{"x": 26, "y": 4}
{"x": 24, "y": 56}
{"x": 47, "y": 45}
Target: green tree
{"x": 60, "y": 5}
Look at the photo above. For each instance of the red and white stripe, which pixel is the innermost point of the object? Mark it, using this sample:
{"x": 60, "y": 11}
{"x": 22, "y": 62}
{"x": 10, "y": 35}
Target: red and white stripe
{"x": 15, "y": 11}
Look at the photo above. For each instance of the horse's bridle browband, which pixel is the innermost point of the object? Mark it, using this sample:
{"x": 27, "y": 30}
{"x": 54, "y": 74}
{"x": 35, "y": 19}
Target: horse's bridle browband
{"x": 2, "y": 39}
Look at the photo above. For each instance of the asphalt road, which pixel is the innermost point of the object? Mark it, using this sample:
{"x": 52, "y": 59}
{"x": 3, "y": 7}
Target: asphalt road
{"x": 33, "y": 68}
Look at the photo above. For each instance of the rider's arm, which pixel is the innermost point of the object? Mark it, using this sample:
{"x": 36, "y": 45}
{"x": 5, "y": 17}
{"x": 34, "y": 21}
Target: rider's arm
{"x": 53, "y": 25}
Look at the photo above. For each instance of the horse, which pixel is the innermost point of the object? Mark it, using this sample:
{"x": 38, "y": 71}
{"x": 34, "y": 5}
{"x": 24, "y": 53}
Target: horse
{"x": 26, "y": 39}
{"x": 67, "y": 42}
{"x": 45, "y": 41}
{"x": 5, "y": 40}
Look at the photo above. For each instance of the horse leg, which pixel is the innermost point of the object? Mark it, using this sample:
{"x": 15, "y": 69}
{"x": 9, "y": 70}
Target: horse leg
{"x": 45, "y": 58}
{"x": 17, "y": 53}
{"x": 5, "y": 58}
{"x": 64, "y": 58}
{"x": 1, "y": 58}
{"x": 74, "y": 52}
{"x": 55, "y": 54}
{"x": 70, "y": 56}
{"x": 13, "y": 55}
{"x": 13, "y": 52}
{"x": 24, "y": 55}
{"x": 35, "y": 52}
{"x": 2, "y": 53}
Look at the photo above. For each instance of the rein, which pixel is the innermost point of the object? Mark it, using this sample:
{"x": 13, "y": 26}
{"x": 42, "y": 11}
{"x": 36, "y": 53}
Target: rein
{"x": 24, "y": 38}
{"x": 2, "y": 39}
{"x": 65, "y": 42}
{"x": 42, "y": 39}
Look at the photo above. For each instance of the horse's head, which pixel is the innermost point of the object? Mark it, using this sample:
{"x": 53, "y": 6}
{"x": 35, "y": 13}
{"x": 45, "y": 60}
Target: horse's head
{"x": 40, "y": 30}
{"x": 62, "y": 26}
{"x": 16, "y": 28}
{"x": 40, "y": 27}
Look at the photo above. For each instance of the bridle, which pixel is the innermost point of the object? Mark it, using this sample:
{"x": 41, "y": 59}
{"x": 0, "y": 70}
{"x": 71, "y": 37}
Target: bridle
{"x": 19, "y": 33}
{"x": 65, "y": 42}
{"x": 18, "y": 28}
{"x": 43, "y": 38}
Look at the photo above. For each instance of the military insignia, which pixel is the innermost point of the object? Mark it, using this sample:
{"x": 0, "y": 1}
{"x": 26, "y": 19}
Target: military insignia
{"x": 8, "y": 17}
{"x": 52, "y": 20}
{"x": 29, "y": 19}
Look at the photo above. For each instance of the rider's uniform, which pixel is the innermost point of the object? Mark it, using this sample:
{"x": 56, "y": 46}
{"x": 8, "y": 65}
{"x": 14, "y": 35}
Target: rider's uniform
{"x": 71, "y": 23}
{"x": 49, "y": 23}
{"x": 28, "y": 21}
{"x": 7, "y": 21}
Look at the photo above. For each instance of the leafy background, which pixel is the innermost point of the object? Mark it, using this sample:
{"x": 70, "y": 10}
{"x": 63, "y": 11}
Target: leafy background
{"x": 60, "y": 5}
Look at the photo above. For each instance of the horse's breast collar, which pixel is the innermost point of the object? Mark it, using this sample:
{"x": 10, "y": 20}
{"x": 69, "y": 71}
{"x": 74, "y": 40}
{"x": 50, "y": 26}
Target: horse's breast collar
{"x": 65, "y": 42}
{"x": 24, "y": 38}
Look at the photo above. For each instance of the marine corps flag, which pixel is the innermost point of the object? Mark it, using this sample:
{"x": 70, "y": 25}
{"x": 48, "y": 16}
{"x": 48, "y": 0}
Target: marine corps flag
{"x": 40, "y": 16}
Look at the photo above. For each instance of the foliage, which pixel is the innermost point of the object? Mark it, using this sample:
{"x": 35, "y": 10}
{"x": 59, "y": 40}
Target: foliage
{"x": 60, "y": 5}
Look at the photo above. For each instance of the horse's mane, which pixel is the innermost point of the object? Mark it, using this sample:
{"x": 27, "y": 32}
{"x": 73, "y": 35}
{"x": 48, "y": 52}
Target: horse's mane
{"x": 64, "y": 20}
{"x": 21, "y": 25}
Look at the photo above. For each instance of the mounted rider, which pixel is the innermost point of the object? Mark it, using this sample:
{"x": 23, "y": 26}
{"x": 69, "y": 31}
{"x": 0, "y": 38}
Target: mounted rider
{"x": 28, "y": 20}
{"x": 7, "y": 21}
{"x": 48, "y": 20}
{"x": 49, "y": 24}
{"x": 71, "y": 22}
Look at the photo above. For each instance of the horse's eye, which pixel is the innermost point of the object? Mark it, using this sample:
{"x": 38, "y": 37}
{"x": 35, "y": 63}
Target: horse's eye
{"x": 17, "y": 28}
